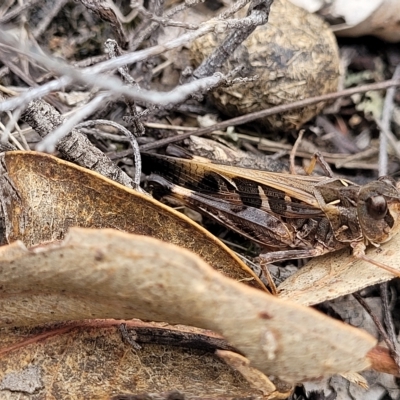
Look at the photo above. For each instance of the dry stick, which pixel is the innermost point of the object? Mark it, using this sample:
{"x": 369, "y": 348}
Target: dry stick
{"x": 339, "y": 140}
{"x": 134, "y": 117}
{"x": 88, "y": 75}
{"x": 294, "y": 151}
{"x": 16, "y": 12}
{"x": 52, "y": 11}
{"x": 106, "y": 13}
{"x": 376, "y": 321}
{"x": 5, "y": 132}
{"x": 257, "y": 15}
{"x": 270, "y": 111}
{"x": 75, "y": 147}
{"x": 389, "y": 136}
{"x": 385, "y": 127}
{"x": 70, "y": 74}
{"x": 234, "y": 8}
{"x": 388, "y": 320}
{"x": 140, "y": 34}
{"x": 215, "y": 24}
{"x": 156, "y": 7}
{"x": 129, "y": 135}
{"x": 14, "y": 121}
{"x": 50, "y": 141}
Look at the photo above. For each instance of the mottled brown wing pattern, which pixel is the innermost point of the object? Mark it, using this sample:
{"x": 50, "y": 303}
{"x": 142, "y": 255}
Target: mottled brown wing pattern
{"x": 282, "y": 194}
{"x": 292, "y": 216}
{"x": 264, "y": 214}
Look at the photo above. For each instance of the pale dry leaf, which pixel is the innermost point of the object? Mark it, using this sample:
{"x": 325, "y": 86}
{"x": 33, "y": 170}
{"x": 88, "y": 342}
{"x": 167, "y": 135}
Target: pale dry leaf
{"x": 111, "y": 274}
{"x": 240, "y": 363}
{"x": 214, "y": 150}
{"x": 352, "y": 11}
{"x": 339, "y": 273}
{"x": 383, "y": 21}
{"x": 42, "y": 196}
{"x": 356, "y": 378}
{"x": 253, "y": 376}
{"x": 374, "y": 17}
{"x": 91, "y": 361}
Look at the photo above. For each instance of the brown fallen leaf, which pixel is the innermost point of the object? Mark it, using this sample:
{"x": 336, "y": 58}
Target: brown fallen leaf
{"x": 111, "y": 274}
{"x": 91, "y": 361}
{"x": 337, "y": 274}
{"x": 42, "y": 196}
{"x": 381, "y": 360}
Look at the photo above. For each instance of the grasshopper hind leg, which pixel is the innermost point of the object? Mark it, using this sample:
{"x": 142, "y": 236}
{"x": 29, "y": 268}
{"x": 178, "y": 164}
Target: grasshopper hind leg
{"x": 276, "y": 256}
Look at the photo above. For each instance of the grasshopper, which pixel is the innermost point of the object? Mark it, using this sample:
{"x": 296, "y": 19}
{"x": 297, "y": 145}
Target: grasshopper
{"x": 291, "y": 216}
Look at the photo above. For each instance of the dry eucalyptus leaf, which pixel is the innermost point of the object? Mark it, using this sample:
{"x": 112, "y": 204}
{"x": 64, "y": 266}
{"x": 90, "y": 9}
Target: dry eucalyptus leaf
{"x": 373, "y": 17}
{"x": 93, "y": 361}
{"x": 339, "y": 273}
{"x": 111, "y": 274}
{"x": 42, "y": 196}
{"x": 253, "y": 376}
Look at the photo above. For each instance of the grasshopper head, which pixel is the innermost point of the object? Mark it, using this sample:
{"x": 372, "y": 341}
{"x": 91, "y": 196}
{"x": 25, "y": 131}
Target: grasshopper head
{"x": 378, "y": 210}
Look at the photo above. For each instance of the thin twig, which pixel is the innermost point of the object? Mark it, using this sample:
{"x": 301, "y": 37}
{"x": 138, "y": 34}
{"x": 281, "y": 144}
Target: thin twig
{"x": 387, "y": 318}
{"x": 14, "y": 117}
{"x": 234, "y": 8}
{"x": 52, "y": 11}
{"x": 17, "y": 11}
{"x": 271, "y": 111}
{"x": 293, "y": 152}
{"x": 134, "y": 118}
{"x": 385, "y": 126}
{"x": 378, "y": 324}
{"x": 257, "y": 15}
{"x": 127, "y": 133}
{"x": 5, "y": 133}
{"x": 75, "y": 147}
{"x": 107, "y": 14}
{"x": 389, "y": 137}
{"x": 137, "y": 39}
{"x": 87, "y": 76}
{"x": 48, "y": 144}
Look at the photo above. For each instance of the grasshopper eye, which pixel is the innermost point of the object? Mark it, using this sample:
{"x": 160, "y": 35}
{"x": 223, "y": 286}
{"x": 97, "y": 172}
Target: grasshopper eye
{"x": 377, "y": 207}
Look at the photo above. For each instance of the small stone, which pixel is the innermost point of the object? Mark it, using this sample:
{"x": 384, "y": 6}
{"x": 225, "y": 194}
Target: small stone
{"x": 295, "y": 56}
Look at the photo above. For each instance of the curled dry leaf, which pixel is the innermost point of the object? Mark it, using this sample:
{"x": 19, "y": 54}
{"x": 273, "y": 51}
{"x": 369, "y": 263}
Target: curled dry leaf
{"x": 111, "y": 274}
{"x": 253, "y": 376}
{"x": 337, "y": 274}
{"x": 162, "y": 361}
{"x": 42, "y": 196}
